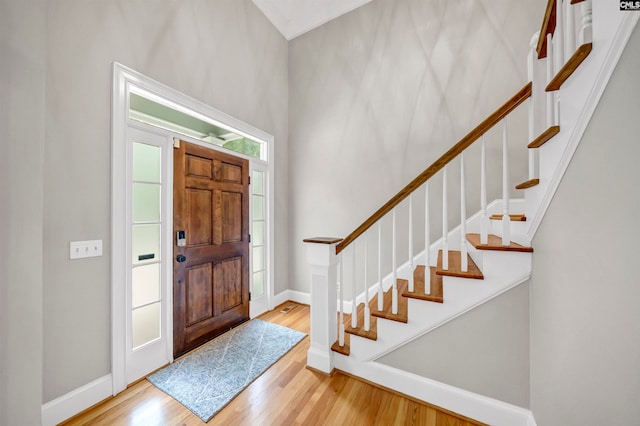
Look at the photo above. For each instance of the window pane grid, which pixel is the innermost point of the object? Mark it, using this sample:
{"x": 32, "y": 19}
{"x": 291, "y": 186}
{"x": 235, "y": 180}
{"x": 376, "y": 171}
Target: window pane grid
{"x": 146, "y": 245}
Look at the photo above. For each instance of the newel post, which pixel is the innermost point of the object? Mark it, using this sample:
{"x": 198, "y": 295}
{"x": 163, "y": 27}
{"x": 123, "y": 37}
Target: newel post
{"x": 323, "y": 263}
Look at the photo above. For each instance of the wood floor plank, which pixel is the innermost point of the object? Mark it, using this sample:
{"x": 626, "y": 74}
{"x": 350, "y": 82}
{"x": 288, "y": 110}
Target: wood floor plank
{"x": 287, "y": 393}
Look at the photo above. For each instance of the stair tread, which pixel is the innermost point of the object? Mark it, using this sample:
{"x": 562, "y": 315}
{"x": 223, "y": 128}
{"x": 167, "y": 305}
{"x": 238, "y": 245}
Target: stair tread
{"x": 518, "y": 217}
{"x": 344, "y": 350}
{"x": 528, "y": 184}
{"x": 567, "y": 69}
{"x": 494, "y": 242}
{"x": 544, "y": 137}
{"x": 372, "y": 334}
{"x": 454, "y": 266}
{"x": 435, "y": 290}
{"x": 403, "y": 304}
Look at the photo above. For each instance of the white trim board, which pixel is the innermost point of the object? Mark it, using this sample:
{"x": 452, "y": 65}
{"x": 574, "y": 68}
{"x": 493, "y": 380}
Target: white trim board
{"x": 293, "y": 295}
{"x": 70, "y": 404}
{"x": 466, "y": 403}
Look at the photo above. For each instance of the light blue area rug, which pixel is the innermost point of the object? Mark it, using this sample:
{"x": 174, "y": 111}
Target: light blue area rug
{"x": 211, "y": 376}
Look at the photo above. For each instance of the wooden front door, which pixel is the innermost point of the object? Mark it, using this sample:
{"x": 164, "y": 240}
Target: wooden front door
{"x": 211, "y": 264}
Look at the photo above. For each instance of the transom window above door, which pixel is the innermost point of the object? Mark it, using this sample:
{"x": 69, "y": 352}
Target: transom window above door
{"x": 180, "y": 120}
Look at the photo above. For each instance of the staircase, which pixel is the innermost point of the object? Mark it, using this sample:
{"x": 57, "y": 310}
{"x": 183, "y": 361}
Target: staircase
{"x": 487, "y": 253}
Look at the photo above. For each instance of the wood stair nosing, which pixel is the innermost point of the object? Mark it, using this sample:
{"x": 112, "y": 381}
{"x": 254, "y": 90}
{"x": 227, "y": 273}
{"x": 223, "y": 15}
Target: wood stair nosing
{"x": 544, "y": 137}
{"x": 372, "y": 334}
{"x": 528, "y": 184}
{"x": 494, "y": 242}
{"x": 403, "y": 304}
{"x": 455, "y": 269}
{"x": 344, "y": 350}
{"x": 567, "y": 69}
{"x": 516, "y": 217}
{"x": 435, "y": 289}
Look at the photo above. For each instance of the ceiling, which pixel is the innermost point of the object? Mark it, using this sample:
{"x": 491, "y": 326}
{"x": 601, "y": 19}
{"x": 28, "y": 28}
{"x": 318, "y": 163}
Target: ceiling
{"x": 295, "y": 17}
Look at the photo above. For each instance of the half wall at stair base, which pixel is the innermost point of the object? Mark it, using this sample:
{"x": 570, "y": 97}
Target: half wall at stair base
{"x": 485, "y": 351}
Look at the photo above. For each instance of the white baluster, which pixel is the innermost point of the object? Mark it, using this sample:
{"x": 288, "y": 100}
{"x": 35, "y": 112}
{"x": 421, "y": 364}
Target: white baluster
{"x": 532, "y": 136}
{"x": 464, "y": 262}
{"x": 394, "y": 266}
{"x": 411, "y": 242}
{"x": 570, "y": 38}
{"x": 341, "y": 322}
{"x": 484, "y": 224}
{"x": 531, "y": 75}
{"x": 445, "y": 222}
{"x": 557, "y": 115}
{"x": 380, "y": 289}
{"x": 506, "y": 220}
{"x": 427, "y": 240}
{"x": 354, "y": 299}
{"x": 550, "y": 114}
{"x": 586, "y": 28}
{"x": 367, "y": 310}
{"x": 558, "y": 35}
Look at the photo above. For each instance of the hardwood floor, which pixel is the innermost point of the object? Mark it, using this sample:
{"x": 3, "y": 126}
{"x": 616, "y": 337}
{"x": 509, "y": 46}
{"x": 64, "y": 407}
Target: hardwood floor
{"x": 287, "y": 393}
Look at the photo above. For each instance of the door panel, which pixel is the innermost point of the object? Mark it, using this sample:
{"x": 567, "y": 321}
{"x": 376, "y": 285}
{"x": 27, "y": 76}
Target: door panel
{"x": 231, "y": 223}
{"x": 199, "y": 212}
{"x": 199, "y": 290}
{"x": 211, "y": 204}
{"x": 228, "y": 279}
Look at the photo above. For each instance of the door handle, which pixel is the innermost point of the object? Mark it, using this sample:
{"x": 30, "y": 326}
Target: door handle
{"x": 181, "y": 258}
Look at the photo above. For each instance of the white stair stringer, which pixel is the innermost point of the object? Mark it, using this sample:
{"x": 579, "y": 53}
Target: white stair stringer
{"x": 502, "y": 271}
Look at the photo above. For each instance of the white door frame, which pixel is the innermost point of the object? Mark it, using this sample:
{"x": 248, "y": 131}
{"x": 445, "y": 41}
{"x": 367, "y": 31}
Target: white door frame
{"x": 126, "y": 80}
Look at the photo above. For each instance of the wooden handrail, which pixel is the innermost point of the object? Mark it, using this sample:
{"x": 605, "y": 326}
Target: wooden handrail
{"x": 446, "y": 158}
{"x": 548, "y": 27}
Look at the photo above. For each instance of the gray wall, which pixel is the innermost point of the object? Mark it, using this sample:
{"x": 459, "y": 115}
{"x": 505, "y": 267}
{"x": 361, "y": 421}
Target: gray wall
{"x": 484, "y": 351}
{"x": 378, "y": 94}
{"x": 222, "y": 52}
{"x": 22, "y": 70}
{"x": 585, "y": 297}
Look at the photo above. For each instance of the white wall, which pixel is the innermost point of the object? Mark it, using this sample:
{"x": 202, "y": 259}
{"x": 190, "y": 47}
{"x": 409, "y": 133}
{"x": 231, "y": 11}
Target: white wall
{"x": 485, "y": 351}
{"x": 22, "y": 70}
{"x": 585, "y": 297}
{"x": 222, "y": 52}
{"x": 378, "y": 94}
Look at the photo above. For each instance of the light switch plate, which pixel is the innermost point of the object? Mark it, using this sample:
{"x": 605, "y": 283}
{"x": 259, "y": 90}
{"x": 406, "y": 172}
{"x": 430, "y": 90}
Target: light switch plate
{"x": 82, "y": 249}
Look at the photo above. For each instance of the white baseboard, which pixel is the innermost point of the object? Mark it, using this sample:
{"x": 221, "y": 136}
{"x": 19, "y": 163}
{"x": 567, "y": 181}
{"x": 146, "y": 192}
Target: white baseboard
{"x": 469, "y": 404}
{"x": 293, "y": 295}
{"x": 72, "y": 403}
